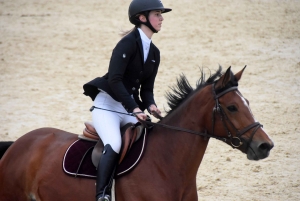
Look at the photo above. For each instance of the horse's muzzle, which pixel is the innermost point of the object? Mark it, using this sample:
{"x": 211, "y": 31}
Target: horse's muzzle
{"x": 259, "y": 150}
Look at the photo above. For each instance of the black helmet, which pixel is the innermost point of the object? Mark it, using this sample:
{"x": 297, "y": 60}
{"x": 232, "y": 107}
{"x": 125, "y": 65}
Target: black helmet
{"x": 141, "y": 7}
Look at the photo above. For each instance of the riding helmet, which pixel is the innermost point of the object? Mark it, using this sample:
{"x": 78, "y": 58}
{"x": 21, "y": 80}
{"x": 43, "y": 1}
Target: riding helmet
{"x": 144, "y": 7}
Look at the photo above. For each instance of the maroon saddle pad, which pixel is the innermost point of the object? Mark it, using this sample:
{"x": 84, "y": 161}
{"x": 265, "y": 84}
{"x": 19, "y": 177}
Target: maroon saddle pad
{"x": 77, "y": 159}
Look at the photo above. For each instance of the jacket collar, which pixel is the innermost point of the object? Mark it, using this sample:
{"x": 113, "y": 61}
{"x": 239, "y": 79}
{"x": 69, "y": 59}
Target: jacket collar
{"x": 140, "y": 44}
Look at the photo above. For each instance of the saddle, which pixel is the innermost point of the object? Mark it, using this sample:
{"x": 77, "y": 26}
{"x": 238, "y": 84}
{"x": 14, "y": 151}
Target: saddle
{"x": 82, "y": 156}
{"x": 130, "y": 134}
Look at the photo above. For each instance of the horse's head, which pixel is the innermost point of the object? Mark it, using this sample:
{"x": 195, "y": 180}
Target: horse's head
{"x": 217, "y": 107}
{"x": 233, "y": 120}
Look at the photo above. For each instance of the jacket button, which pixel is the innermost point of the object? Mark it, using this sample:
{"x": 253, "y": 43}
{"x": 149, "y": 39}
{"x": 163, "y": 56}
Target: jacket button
{"x": 133, "y": 88}
{"x": 137, "y": 80}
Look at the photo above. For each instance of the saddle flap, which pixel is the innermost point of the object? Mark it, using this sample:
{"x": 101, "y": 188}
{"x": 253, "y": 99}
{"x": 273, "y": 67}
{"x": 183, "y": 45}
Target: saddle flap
{"x": 127, "y": 140}
{"x": 97, "y": 152}
{"x": 130, "y": 134}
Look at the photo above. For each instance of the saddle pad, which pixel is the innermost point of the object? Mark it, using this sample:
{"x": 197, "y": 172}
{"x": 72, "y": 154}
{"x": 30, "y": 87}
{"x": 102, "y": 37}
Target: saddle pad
{"x": 77, "y": 159}
{"x": 133, "y": 157}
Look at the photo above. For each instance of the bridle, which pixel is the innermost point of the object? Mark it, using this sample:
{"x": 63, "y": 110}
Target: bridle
{"x": 235, "y": 141}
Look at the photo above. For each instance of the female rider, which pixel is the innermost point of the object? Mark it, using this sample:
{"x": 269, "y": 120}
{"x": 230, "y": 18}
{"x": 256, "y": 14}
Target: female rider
{"x": 127, "y": 87}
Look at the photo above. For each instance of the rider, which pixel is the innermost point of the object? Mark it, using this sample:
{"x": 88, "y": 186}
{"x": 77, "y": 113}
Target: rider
{"x": 126, "y": 88}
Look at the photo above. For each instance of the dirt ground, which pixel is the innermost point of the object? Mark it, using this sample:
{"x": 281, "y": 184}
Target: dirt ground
{"x": 50, "y": 48}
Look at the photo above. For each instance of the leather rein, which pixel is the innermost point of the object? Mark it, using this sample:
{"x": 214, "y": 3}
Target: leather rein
{"x": 235, "y": 141}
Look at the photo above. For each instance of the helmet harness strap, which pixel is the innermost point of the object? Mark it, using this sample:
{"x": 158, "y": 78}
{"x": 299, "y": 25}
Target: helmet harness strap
{"x": 147, "y": 23}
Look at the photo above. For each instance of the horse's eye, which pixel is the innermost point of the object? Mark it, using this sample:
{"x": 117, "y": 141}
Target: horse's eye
{"x": 232, "y": 108}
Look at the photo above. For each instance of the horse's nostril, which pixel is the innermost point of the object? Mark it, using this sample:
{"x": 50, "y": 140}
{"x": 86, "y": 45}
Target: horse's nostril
{"x": 265, "y": 146}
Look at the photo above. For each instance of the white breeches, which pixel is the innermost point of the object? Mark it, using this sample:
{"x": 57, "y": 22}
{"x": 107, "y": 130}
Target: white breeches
{"x": 106, "y": 123}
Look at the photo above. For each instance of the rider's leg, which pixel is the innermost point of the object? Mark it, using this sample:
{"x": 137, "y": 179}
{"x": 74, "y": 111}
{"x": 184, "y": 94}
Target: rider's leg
{"x": 107, "y": 125}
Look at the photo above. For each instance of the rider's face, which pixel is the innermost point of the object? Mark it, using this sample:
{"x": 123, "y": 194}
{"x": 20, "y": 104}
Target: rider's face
{"x": 156, "y": 18}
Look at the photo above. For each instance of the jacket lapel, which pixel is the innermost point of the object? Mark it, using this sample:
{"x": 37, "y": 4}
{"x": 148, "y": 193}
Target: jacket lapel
{"x": 151, "y": 57}
{"x": 140, "y": 44}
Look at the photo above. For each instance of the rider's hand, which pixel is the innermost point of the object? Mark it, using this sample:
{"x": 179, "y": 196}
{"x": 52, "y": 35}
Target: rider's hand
{"x": 139, "y": 114}
{"x": 154, "y": 111}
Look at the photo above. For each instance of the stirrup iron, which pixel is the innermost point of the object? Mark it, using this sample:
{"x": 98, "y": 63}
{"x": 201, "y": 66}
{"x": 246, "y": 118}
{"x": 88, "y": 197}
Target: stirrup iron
{"x": 105, "y": 198}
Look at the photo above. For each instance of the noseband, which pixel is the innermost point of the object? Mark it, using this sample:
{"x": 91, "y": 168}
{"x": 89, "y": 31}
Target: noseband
{"x": 235, "y": 141}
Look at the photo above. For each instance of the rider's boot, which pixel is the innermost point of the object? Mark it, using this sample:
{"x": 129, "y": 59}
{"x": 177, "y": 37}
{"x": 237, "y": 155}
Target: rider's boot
{"x": 105, "y": 173}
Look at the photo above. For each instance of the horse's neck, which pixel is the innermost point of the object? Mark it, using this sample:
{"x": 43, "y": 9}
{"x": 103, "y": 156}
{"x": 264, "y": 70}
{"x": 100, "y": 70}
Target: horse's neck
{"x": 184, "y": 150}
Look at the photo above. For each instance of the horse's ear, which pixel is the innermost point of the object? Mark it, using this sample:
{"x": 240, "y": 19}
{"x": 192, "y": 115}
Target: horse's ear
{"x": 239, "y": 74}
{"x": 224, "y": 79}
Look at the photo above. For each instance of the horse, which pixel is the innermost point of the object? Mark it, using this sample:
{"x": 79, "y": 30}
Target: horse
{"x": 31, "y": 168}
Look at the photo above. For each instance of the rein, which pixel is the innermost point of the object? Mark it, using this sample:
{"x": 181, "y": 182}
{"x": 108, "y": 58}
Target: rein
{"x": 183, "y": 130}
{"x": 148, "y": 122}
{"x": 217, "y": 109}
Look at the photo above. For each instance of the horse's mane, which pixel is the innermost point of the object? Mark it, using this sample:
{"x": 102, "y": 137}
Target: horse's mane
{"x": 183, "y": 89}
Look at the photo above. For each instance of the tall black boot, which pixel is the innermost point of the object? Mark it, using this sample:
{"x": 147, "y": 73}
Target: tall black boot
{"x": 105, "y": 173}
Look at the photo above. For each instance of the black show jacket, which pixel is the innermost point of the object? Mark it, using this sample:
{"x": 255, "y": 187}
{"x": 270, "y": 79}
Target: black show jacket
{"x": 129, "y": 79}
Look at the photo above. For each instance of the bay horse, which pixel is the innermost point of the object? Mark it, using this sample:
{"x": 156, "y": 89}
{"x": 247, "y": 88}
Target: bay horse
{"x": 31, "y": 168}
